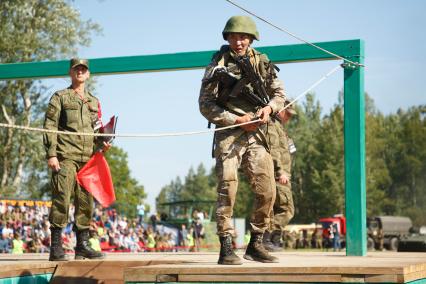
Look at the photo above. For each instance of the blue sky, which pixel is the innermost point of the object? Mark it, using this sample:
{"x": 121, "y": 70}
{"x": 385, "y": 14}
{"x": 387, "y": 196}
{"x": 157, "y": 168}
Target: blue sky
{"x": 395, "y": 44}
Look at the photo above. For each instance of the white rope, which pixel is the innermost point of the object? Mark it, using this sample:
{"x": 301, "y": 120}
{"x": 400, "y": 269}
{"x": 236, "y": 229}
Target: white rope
{"x": 295, "y": 36}
{"x": 155, "y": 135}
{"x": 312, "y": 86}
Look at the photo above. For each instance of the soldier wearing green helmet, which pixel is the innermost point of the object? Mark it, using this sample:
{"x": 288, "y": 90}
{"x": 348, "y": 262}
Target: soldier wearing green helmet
{"x": 244, "y": 146}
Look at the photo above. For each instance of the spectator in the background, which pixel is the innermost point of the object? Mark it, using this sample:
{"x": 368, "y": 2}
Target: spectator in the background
{"x": 150, "y": 239}
{"x": 183, "y": 238}
{"x": 8, "y": 230}
{"x": 336, "y": 238}
{"x": 153, "y": 219}
{"x": 191, "y": 243}
{"x": 4, "y": 244}
{"x": 94, "y": 241}
{"x": 17, "y": 244}
{"x": 141, "y": 212}
{"x": 198, "y": 233}
{"x": 123, "y": 223}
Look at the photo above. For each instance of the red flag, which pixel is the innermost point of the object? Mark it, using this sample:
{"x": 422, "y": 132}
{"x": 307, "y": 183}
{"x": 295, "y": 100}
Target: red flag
{"x": 95, "y": 177}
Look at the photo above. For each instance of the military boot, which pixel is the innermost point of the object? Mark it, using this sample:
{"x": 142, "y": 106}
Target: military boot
{"x": 83, "y": 249}
{"x": 276, "y": 237}
{"x": 256, "y": 251}
{"x": 268, "y": 244}
{"x": 56, "y": 250}
{"x": 227, "y": 255}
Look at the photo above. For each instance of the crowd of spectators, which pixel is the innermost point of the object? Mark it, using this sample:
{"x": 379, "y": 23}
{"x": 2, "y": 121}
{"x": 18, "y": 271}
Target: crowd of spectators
{"x": 25, "y": 229}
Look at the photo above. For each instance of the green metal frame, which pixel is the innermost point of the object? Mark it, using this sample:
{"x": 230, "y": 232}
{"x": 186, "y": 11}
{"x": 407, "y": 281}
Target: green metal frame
{"x": 353, "y": 105}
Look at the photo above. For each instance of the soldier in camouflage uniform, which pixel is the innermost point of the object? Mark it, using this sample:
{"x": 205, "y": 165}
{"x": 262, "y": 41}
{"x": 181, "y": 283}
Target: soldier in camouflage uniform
{"x": 244, "y": 146}
{"x": 281, "y": 149}
{"x": 74, "y": 110}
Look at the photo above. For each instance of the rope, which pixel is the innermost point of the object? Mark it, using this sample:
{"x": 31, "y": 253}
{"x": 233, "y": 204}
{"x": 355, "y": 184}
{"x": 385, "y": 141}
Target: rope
{"x": 295, "y": 36}
{"x": 155, "y": 135}
{"x": 312, "y": 86}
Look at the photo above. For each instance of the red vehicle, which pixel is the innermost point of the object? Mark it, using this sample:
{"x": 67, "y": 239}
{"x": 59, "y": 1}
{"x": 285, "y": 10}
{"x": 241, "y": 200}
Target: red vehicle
{"x": 338, "y": 221}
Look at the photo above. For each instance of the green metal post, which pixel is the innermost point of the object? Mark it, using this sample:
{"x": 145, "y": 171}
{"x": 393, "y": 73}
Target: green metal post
{"x": 355, "y": 196}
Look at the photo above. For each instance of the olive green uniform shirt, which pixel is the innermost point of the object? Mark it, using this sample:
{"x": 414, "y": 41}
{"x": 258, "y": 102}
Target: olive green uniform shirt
{"x": 68, "y": 112}
{"x": 278, "y": 142}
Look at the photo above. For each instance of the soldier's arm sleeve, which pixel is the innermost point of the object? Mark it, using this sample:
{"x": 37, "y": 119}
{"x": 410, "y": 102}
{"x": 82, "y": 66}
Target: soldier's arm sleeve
{"x": 51, "y": 122}
{"x": 209, "y": 108}
{"x": 278, "y": 97}
{"x": 274, "y": 86}
{"x": 275, "y": 149}
{"x": 98, "y": 140}
{"x": 285, "y": 156}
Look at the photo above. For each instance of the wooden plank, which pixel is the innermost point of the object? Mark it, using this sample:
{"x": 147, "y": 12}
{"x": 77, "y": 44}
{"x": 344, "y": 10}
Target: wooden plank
{"x": 248, "y": 268}
{"x": 21, "y": 269}
{"x": 383, "y": 267}
{"x": 383, "y": 278}
{"x": 414, "y": 276}
{"x": 251, "y": 278}
{"x": 107, "y": 271}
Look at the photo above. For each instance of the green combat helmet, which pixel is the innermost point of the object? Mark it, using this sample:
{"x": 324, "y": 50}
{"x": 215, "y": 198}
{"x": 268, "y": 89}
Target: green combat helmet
{"x": 240, "y": 24}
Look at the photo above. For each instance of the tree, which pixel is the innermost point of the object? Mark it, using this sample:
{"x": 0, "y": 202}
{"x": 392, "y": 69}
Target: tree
{"x": 303, "y": 128}
{"x": 128, "y": 191}
{"x": 32, "y": 31}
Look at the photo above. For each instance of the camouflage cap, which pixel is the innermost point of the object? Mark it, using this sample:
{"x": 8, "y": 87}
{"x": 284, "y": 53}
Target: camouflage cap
{"x": 74, "y": 62}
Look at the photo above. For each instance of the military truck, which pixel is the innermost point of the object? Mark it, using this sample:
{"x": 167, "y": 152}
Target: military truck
{"x": 386, "y": 231}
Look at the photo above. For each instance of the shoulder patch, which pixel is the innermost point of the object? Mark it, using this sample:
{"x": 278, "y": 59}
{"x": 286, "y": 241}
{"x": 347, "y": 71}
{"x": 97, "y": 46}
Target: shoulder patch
{"x": 51, "y": 111}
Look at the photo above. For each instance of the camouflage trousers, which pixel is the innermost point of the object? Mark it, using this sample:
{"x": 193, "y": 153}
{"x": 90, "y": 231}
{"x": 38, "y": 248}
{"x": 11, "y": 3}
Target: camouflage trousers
{"x": 64, "y": 186}
{"x": 283, "y": 210}
{"x": 251, "y": 155}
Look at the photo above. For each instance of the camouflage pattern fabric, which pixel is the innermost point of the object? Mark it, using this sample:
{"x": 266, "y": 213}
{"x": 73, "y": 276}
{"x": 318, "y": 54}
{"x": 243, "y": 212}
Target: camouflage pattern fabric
{"x": 235, "y": 148}
{"x": 64, "y": 186}
{"x": 67, "y": 111}
{"x": 283, "y": 209}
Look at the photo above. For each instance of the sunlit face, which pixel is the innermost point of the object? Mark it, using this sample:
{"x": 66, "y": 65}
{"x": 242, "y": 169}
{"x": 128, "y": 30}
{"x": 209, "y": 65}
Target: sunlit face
{"x": 239, "y": 42}
{"x": 79, "y": 74}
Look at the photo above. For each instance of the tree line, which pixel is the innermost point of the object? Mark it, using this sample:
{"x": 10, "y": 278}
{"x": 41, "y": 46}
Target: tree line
{"x": 395, "y": 165}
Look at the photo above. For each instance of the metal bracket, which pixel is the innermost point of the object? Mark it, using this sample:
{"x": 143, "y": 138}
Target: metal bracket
{"x": 350, "y": 66}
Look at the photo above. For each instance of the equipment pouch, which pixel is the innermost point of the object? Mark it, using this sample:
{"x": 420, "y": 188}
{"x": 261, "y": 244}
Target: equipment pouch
{"x": 291, "y": 146}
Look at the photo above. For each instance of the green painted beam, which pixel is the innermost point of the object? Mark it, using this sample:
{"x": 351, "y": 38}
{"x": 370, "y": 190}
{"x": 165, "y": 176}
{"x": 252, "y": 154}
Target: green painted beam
{"x": 175, "y": 61}
{"x": 355, "y": 184}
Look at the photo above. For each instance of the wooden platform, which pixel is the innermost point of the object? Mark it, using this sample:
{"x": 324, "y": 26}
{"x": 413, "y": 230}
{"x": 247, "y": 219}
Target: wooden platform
{"x": 312, "y": 267}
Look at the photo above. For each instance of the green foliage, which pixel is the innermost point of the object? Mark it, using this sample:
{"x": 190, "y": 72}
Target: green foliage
{"x": 32, "y": 30}
{"x": 128, "y": 192}
{"x": 197, "y": 186}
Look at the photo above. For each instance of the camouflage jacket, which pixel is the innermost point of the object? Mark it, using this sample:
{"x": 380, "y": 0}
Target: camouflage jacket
{"x": 278, "y": 143}
{"x": 68, "y": 112}
{"x": 221, "y": 115}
